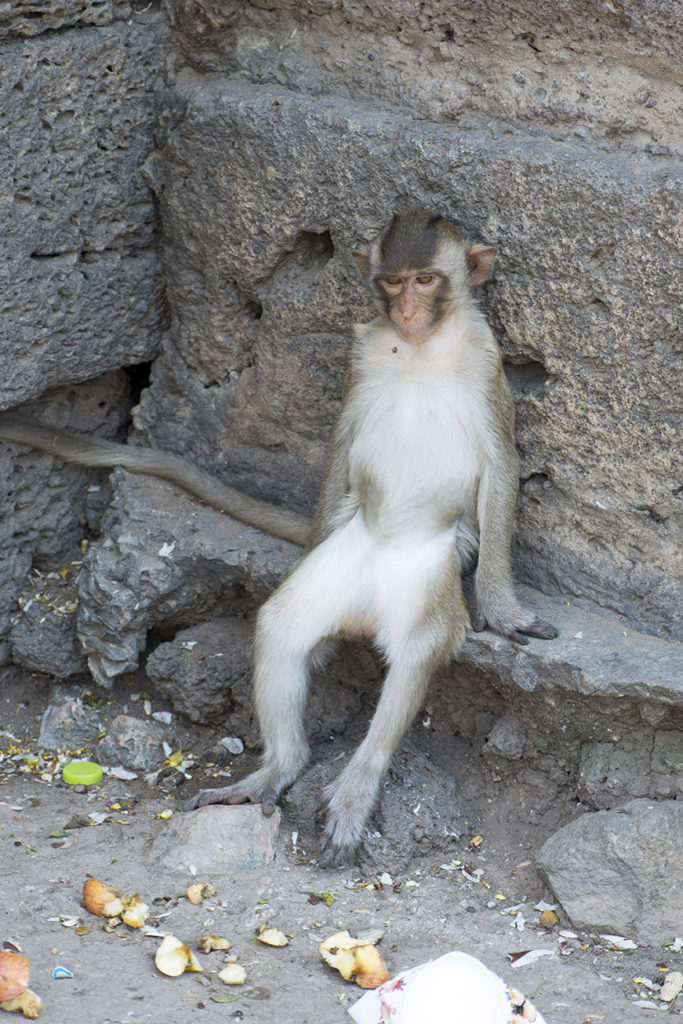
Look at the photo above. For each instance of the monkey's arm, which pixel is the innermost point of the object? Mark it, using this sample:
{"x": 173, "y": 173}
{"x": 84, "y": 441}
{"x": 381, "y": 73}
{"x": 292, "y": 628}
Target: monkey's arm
{"x": 334, "y": 485}
{"x": 279, "y": 522}
{"x": 497, "y": 605}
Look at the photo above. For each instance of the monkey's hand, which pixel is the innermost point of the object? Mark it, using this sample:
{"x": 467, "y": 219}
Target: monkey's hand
{"x": 518, "y": 627}
{"x": 257, "y": 788}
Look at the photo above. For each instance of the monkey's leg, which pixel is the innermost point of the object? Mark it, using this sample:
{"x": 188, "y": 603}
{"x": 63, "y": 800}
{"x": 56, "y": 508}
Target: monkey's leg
{"x": 425, "y": 625}
{"x": 351, "y": 797}
{"x": 309, "y": 606}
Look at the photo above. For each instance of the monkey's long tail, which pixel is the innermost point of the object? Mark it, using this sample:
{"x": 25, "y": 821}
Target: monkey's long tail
{"x": 277, "y": 521}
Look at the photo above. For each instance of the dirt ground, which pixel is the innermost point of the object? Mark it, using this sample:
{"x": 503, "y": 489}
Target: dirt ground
{"x": 481, "y": 899}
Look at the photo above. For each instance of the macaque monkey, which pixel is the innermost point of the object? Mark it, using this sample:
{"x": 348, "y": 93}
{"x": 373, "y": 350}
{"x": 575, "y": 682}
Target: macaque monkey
{"x": 421, "y": 473}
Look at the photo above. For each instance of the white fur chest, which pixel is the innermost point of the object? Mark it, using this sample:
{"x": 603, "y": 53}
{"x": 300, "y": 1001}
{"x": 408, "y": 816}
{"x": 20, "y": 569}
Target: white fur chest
{"x": 419, "y": 425}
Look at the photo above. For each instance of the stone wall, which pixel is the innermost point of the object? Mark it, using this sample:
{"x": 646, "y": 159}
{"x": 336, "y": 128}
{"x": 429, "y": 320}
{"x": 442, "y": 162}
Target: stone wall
{"x": 80, "y": 286}
{"x": 293, "y": 130}
{"x": 281, "y": 137}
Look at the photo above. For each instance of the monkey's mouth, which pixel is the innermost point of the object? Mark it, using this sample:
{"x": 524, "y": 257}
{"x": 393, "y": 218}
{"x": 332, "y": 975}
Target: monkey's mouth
{"x": 416, "y": 324}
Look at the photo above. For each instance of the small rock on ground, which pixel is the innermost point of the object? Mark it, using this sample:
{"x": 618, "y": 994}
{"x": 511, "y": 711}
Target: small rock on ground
{"x": 217, "y": 838}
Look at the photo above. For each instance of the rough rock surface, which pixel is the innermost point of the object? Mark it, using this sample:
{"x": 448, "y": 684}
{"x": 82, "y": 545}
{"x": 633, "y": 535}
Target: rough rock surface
{"x": 68, "y": 724}
{"x": 619, "y": 871}
{"x": 166, "y": 560}
{"x": 24, "y": 18}
{"x": 566, "y": 163}
{"x": 43, "y": 633}
{"x": 47, "y": 509}
{"x": 80, "y": 281}
{"x": 81, "y": 290}
{"x": 217, "y": 839}
{"x": 132, "y": 743}
{"x": 205, "y": 671}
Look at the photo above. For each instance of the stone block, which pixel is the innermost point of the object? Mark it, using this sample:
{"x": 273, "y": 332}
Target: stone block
{"x": 68, "y": 725}
{"x": 619, "y": 871}
{"x": 23, "y": 18}
{"x": 217, "y": 839}
{"x": 80, "y": 287}
{"x": 165, "y": 558}
{"x": 43, "y": 632}
{"x": 47, "y": 509}
{"x": 249, "y": 384}
{"x": 205, "y": 671}
{"x": 133, "y": 743}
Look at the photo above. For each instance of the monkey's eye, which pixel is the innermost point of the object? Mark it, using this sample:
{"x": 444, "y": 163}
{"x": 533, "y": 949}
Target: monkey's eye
{"x": 393, "y": 281}
{"x": 425, "y": 279}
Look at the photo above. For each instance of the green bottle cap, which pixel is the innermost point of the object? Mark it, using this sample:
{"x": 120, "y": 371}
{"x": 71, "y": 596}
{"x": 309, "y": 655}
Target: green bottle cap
{"x": 82, "y": 773}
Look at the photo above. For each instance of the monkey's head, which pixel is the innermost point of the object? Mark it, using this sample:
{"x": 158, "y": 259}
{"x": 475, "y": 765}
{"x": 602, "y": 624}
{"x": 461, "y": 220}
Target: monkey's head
{"x": 419, "y": 269}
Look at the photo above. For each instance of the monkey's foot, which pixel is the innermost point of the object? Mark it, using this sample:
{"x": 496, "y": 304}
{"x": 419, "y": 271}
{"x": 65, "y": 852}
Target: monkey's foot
{"x": 338, "y": 843}
{"x": 346, "y": 818}
{"x": 257, "y": 788}
{"x": 518, "y": 630}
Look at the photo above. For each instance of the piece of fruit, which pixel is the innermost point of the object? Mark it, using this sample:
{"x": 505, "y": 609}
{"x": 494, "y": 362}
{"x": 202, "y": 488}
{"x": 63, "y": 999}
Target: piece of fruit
{"x": 101, "y": 899}
{"x": 233, "y": 974}
{"x": 27, "y": 1001}
{"x": 272, "y": 936}
{"x": 199, "y": 891}
{"x": 207, "y": 943}
{"x": 355, "y": 960}
{"x": 14, "y": 971}
{"x": 135, "y": 912}
{"x": 14, "y": 991}
{"x": 174, "y": 957}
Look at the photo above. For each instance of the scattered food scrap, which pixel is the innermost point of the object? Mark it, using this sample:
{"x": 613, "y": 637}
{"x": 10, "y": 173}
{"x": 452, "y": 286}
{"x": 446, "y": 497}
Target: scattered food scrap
{"x": 14, "y": 991}
{"x": 355, "y": 960}
{"x": 321, "y": 896}
{"x": 101, "y": 899}
{"x": 527, "y": 956}
{"x": 199, "y": 891}
{"x": 619, "y": 942}
{"x": 272, "y": 936}
{"x": 174, "y": 957}
{"x": 208, "y": 943}
{"x": 233, "y": 974}
{"x": 135, "y": 912}
{"x": 673, "y": 984}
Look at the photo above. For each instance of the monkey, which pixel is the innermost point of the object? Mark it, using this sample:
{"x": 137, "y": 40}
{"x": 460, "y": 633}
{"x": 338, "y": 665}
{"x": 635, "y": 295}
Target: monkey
{"x": 420, "y": 482}
{"x": 421, "y": 474}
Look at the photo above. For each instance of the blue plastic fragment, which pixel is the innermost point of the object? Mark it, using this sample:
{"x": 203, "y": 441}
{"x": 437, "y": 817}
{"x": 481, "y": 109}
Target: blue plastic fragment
{"x": 62, "y": 972}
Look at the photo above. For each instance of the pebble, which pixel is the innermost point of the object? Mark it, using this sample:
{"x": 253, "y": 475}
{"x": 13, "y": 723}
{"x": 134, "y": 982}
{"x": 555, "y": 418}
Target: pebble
{"x": 233, "y": 743}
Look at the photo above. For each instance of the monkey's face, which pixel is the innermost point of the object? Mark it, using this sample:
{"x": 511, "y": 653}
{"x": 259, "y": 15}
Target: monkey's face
{"x": 413, "y": 300}
{"x": 419, "y": 269}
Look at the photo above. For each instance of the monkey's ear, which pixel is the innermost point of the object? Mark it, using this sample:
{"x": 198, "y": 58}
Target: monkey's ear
{"x": 479, "y": 259}
{"x": 362, "y": 258}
